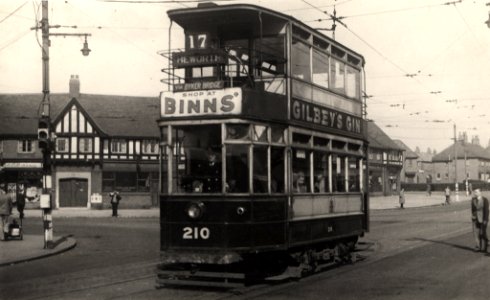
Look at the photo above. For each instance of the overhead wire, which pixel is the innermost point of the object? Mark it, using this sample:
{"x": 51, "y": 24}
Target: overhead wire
{"x": 119, "y": 35}
{"x": 15, "y": 39}
{"x": 12, "y": 13}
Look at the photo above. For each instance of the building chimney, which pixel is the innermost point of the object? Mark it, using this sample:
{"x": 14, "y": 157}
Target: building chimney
{"x": 475, "y": 140}
{"x": 74, "y": 87}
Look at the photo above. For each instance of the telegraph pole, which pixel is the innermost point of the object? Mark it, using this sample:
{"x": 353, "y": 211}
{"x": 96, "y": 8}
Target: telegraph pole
{"x": 45, "y": 136}
{"x": 456, "y": 165}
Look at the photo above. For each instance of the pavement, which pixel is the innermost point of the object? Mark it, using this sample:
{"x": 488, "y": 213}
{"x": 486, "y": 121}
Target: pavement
{"x": 31, "y": 247}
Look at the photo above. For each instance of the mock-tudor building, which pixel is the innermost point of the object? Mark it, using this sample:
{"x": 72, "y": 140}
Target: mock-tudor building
{"x": 385, "y": 162}
{"x": 410, "y": 170}
{"x": 101, "y": 143}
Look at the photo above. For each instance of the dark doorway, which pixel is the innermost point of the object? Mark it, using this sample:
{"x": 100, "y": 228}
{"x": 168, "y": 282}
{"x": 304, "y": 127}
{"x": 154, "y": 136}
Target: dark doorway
{"x": 73, "y": 192}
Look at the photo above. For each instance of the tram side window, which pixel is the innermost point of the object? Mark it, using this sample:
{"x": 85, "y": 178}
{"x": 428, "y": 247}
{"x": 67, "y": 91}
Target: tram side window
{"x": 300, "y": 60}
{"x": 321, "y": 179}
{"x": 354, "y": 174}
{"x": 277, "y": 170}
{"x": 271, "y": 51}
{"x": 301, "y": 171}
{"x": 352, "y": 82}
{"x": 260, "y": 169}
{"x": 337, "y": 69}
{"x": 237, "y": 169}
{"x": 338, "y": 173}
{"x": 320, "y": 68}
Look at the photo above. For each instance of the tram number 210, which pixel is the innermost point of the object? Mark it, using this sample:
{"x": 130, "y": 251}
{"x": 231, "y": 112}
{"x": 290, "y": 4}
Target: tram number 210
{"x": 195, "y": 233}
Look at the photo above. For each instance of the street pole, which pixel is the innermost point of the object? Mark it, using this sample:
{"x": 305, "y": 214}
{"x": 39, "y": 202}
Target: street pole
{"x": 456, "y": 165}
{"x": 45, "y": 135}
{"x": 46, "y": 114}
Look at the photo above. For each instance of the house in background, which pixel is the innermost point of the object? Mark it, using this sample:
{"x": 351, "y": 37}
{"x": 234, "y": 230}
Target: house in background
{"x": 102, "y": 143}
{"x": 472, "y": 162}
{"x": 410, "y": 170}
{"x": 385, "y": 160}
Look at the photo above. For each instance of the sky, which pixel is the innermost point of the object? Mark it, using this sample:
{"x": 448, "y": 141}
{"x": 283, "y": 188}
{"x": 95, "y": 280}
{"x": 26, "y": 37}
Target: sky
{"x": 427, "y": 61}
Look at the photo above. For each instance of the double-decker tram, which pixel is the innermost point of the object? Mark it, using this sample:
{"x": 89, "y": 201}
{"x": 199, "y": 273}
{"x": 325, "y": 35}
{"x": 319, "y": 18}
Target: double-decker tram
{"x": 263, "y": 148}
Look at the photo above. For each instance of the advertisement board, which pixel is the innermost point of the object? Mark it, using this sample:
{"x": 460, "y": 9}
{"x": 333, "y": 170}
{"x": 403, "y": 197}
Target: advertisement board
{"x": 201, "y": 103}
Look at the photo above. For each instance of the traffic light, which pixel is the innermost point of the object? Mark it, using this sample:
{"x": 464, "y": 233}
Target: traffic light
{"x": 43, "y": 133}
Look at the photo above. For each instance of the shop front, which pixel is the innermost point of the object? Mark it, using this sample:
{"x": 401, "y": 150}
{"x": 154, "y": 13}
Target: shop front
{"x": 24, "y": 179}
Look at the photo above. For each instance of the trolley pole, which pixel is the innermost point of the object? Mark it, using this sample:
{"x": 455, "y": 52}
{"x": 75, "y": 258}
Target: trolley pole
{"x": 45, "y": 135}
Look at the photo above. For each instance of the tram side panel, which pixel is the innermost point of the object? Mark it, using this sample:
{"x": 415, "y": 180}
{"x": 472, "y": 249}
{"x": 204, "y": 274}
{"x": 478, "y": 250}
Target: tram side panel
{"x": 317, "y": 219}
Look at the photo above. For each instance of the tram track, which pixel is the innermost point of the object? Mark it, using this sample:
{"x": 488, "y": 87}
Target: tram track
{"x": 55, "y": 286}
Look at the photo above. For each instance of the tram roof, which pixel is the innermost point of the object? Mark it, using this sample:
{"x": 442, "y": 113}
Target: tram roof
{"x": 212, "y": 11}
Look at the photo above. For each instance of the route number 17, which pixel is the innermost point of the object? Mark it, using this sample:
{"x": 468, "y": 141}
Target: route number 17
{"x": 197, "y": 41}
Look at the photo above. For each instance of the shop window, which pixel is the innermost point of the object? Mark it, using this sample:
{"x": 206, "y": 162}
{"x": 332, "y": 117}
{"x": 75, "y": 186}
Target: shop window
{"x": 25, "y": 146}
{"x": 108, "y": 181}
{"x": 143, "y": 181}
{"x": 125, "y": 182}
{"x": 128, "y": 181}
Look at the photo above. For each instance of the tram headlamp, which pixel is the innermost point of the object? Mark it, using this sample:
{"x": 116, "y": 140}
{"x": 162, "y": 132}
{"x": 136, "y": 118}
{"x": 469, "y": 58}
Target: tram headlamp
{"x": 240, "y": 210}
{"x": 195, "y": 210}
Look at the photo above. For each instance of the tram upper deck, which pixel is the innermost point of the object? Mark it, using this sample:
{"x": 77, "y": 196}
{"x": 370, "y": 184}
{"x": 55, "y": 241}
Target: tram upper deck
{"x": 260, "y": 64}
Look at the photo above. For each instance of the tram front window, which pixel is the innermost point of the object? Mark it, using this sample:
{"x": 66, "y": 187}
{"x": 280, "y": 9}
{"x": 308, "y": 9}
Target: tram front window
{"x": 197, "y": 159}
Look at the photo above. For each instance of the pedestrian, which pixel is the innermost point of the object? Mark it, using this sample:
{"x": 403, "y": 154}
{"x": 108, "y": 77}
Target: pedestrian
{"x": 401, "y": 198}
{"x": 447, "y": 192}
{"x": 21, "y": 204}
{"x": 479, "y": 216}
{"x": 6, "y": 204}
{"x": 115, "y": 198}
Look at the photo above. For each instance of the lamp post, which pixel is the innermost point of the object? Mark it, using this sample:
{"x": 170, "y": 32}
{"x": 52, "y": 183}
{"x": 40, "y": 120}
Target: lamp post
{"x": 45, "y": 136}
